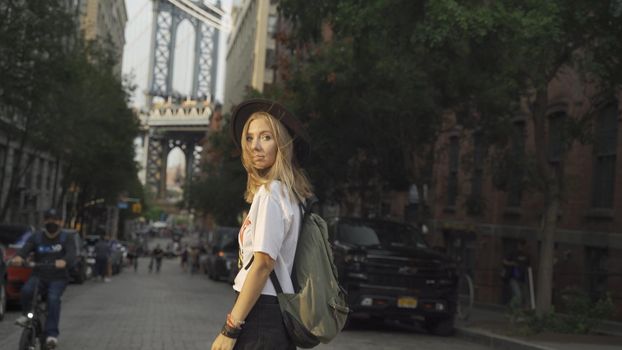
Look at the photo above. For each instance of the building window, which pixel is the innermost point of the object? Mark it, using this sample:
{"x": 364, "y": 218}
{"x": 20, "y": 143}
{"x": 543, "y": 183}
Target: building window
{"x": 605, "y": 154}
{"x": 515, "y": 190}
{"x": 48, "y": 179}
{"x": 272, "y": 25}
{"x": 29, "y": 170}
{"x": 478, "y": 164}
{"x": 452, "y": 180}
{"x": 270, "y": 58}
{"x": 3, "y": 156}
{"x": 475, "y": 201}
{"x": 39, "y": 170}
{"x": 596, "y": 271}
{"x": 557, "y": 136}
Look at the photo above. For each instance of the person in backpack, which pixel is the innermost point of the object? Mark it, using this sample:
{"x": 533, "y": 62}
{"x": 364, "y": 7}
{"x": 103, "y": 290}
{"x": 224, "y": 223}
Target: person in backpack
{"x": 54, "y": 253}
{"x": 273, "y": 147}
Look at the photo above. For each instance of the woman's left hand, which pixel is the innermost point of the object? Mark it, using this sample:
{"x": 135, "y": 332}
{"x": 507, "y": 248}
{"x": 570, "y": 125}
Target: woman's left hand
{"x": 223, "y": 343}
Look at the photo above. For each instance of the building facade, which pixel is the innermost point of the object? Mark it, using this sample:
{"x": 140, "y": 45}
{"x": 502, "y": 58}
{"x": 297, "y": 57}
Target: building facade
{"x": 251, "y": 50}
{"x": 104, "y": 21}
{"x": 38, "y": 181}
{"x": 480, "y": 223}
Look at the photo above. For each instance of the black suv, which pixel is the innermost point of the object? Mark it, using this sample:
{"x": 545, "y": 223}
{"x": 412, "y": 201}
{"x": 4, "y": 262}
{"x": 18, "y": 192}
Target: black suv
{"x": 222, "y": 255}
{"x": 390, "y": 272}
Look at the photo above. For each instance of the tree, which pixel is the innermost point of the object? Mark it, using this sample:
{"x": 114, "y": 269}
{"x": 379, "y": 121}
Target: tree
{"x": 389, "y": 80}
{"x": 98, "y": 152}
{"x": 33, "y": 45}
{"x": 58, "y": 94}
{"x": 392, "y": 68}
{"x": 220, "y": 191}
{"x": 531, "y": 46}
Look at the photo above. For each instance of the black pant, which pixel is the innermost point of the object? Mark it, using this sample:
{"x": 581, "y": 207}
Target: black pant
{"x": 264, "y": 328}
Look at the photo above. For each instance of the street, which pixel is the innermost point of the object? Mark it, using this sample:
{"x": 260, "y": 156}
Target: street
{"x": 175, "y": 310}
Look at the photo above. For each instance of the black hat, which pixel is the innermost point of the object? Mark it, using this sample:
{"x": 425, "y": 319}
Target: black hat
{"x": 52, "y": 214}
{"x": 244, "y": 110}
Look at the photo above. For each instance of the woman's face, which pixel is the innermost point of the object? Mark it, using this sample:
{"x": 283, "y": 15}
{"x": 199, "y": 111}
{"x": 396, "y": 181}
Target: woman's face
{"x": 261, "y": 144}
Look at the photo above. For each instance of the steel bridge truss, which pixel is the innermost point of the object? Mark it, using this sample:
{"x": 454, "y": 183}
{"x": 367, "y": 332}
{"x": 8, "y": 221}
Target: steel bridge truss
{"x": 167, "y": 20}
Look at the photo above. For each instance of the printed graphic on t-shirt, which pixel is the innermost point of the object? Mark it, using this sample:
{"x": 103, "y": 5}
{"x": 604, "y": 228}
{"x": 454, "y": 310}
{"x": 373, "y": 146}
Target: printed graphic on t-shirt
{"x": 247, "y": 223}
{"x": 50, "y": 248}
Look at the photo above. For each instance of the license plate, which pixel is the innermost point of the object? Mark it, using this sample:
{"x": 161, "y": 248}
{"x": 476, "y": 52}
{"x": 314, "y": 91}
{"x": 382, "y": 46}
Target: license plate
{"x": 90, "y": 261}
{"x": 407, "y": 302}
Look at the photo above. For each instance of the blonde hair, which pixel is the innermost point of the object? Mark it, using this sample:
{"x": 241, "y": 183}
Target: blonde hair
{"x": 295, "y": 181}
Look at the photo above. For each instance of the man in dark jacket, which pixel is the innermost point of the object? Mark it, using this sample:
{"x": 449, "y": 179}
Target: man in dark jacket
{"x": 54, "y": 253}
{"x": 102, "y": 257}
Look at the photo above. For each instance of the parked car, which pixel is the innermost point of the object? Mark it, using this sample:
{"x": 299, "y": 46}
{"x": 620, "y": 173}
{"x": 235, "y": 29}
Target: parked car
{"x": 13, "y": 237}
{"x": 221, "y": 261}
{"x": 390, "y": 272}
{"x": 2, "y": 283}
{"x": 80, "y": 271}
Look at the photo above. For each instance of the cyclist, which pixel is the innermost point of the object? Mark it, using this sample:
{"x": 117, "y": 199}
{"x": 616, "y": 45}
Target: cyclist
{"x": 55, "y": 251}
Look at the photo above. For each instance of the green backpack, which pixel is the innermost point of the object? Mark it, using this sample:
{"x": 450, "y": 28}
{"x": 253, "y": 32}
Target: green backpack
{"x": 317, "y": 310}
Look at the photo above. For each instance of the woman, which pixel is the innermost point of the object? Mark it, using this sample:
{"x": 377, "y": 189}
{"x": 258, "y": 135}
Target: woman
{"x": 273, "y": 146}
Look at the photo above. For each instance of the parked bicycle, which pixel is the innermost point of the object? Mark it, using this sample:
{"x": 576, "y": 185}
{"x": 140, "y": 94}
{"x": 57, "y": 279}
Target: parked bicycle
{"x": 466, "y": 295}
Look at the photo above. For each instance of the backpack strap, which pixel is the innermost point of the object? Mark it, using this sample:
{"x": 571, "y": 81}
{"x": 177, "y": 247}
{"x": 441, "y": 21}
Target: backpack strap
{"x": 273, "y": 277}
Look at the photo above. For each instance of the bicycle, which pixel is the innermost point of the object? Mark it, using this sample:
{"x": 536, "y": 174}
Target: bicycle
{"x": 466, "y": 296}
{"x": 33, "y": 335}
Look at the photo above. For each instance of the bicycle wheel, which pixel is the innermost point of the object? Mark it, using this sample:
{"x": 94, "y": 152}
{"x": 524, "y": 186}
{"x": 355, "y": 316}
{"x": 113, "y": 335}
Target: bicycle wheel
{"x": 465, "y": 296}
{"x": 30, "y": 341}
{"x": 2, "y": 301}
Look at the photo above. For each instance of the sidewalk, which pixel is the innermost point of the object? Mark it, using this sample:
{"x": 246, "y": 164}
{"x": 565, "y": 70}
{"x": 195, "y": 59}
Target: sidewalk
{"x": 489, "y": 325}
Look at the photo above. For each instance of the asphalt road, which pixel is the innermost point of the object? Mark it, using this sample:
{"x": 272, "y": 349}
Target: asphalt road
{"x": 179, "y": 311}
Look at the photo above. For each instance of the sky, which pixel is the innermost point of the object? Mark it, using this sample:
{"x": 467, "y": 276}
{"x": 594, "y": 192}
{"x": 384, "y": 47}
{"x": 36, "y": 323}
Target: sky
{"x": 138, "y": 45}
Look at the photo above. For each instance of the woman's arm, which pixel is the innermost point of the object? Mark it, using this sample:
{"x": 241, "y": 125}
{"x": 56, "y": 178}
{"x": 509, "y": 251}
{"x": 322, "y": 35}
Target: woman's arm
{"x": 253, "y": 285}
{"x": 255, "y": 281}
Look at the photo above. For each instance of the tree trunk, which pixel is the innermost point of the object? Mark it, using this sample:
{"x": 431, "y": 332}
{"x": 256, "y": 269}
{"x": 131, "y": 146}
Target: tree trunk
{"x": 545, "y": 266}
{"x": 550, "y": 180}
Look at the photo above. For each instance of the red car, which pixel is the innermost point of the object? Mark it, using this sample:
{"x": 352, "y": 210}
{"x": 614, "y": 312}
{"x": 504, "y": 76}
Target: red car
{"x": 12, "y": 238}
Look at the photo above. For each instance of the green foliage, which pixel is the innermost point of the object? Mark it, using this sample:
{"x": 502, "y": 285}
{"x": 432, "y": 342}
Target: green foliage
{"x": 59, "y": 95}
{"x": 221, "y": 191}
{"x": 581, "y": 317}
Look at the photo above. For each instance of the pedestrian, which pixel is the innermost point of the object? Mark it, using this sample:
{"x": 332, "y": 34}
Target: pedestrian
{"x": 54, "y": 252}
{"x": 157, "y": 256}
{"x": 132, "y": 255}
{"x": 515, "y": 267}
{"x": 273, "y": 147}
{"x": 103, "y": 251}
{"x": 184, "y": 258}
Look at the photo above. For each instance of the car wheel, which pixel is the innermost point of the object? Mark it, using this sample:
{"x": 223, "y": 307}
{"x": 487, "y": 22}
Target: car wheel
{"x": 81, "y": 276}
{"x": 440, "y": 326}
{"x": 2, "y": 301}
{"x": 84, "y": 273}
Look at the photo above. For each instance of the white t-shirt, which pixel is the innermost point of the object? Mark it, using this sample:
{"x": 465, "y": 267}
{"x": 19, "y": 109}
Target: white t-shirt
{"x": 271, "y": 227}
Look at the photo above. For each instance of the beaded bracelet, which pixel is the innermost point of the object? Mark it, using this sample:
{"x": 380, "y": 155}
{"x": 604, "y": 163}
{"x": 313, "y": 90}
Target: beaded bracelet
{"x": 234, "y": 323}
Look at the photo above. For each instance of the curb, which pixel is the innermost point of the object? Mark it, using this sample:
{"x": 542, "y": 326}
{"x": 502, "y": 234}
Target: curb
{"x": 496, "y": 341}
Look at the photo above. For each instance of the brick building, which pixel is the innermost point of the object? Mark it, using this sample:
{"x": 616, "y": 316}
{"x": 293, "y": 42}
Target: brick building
{"x": 476, "y": 221}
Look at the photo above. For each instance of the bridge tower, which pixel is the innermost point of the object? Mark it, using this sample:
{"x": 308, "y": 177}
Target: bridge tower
{"x": 174, "y": 120}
